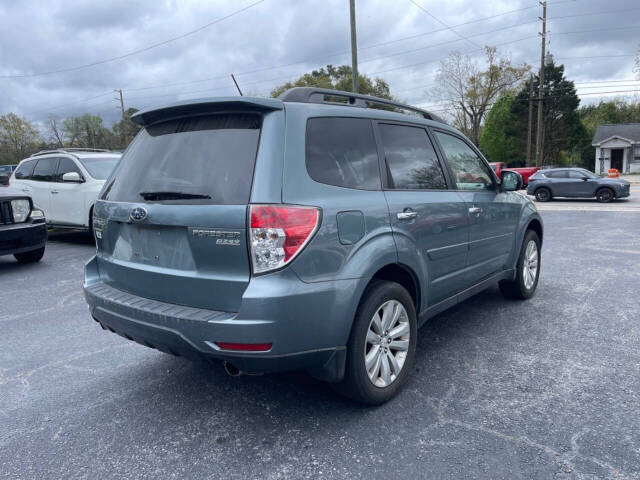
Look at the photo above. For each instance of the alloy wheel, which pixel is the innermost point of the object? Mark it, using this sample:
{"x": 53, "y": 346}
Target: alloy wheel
{"x": 530, "y": 267}
{"x": 387, "y": 343}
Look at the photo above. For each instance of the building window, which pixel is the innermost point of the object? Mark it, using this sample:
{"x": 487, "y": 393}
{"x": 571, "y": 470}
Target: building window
{"x": 636, "y": 154}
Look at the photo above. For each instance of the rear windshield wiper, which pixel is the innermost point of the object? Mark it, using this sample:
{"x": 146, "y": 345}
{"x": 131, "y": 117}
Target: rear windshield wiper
{"x": 173, "y": 196}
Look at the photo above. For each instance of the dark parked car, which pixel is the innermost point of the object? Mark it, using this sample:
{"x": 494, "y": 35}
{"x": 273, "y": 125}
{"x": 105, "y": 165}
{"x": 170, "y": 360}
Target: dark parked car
{"x": 23, "y": 232}
{"x": 300, "y": 233}
{"x": 576, "y": 183}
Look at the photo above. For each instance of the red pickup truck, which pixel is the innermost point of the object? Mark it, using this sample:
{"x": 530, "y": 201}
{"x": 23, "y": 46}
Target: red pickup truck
{"x": 526, "y": 172}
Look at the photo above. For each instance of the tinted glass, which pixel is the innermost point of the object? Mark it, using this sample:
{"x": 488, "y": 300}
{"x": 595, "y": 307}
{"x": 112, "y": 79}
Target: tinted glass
{"x": 469, "y": 170}
{"x": 25, "y": 169}
{"x": 342, "y": 152}
{"x": 67, "y": 165}
{"x": 45, "y": 170}
{"x": 411, "y": 160}
{"x": 556, "y": 174}
{"x": 207, "y": 158}
{"x": 576, "y": 174}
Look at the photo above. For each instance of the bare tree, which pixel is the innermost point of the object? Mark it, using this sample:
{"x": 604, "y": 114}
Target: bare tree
{"x": 470, "y": 91}
{"x": 56, "y": 132}
{"x": 18, "y": 138}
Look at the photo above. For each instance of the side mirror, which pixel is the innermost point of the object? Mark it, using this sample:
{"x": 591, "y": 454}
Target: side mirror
{"x": 511, "y": 181}
{"x": 584, "y": 179}
{"x": 4, "y": 179}
{"x": 72, "y": 177}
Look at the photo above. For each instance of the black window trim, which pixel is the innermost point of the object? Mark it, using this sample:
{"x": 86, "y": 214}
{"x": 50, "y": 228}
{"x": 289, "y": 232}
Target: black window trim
{"x": 371, "y": 121}
{"x": 494, "y": 177}
{"x": 384, "y": 175}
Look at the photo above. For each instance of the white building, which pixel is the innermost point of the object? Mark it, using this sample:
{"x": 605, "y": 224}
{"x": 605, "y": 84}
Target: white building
{"x": 617, "y": 146}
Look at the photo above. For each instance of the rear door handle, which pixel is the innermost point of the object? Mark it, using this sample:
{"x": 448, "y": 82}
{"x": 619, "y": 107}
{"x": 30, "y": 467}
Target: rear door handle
{"x": 406, "y": 215}
{"x": 475, "y": 210}
{"x": 26, "y": 190}
{"x": 53, "y": 192}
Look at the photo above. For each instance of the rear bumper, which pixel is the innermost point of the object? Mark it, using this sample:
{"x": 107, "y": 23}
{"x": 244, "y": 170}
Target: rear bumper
{"x": 307, "y": 324}
{"x": 22, "y": 237}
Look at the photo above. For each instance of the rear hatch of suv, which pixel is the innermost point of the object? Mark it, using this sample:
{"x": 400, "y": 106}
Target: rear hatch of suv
{"x": 171, "y": 220}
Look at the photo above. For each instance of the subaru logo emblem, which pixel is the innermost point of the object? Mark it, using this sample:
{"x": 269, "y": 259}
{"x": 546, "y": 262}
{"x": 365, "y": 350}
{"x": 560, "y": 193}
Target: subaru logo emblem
{"x": 138, "y": 214}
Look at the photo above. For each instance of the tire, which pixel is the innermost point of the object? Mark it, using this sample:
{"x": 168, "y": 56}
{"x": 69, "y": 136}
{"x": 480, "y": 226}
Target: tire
{"x": 543, "y": 194}
{"x": 379, "y": 297}
{"x": 30, "y": 257}
{"x": 522, "y": 288}
{"x": 605, "y": 195}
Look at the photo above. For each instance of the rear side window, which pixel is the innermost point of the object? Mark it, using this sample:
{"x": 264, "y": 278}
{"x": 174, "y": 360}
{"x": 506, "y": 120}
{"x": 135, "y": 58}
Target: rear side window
{"x": 411, "y": 160}
{"x": 45, "y": 170}
{"x": 342, "y": 152}
{"x": 556, "y": 174}
{"x": 23, "y": 172}
{"x": 204, "y": 159}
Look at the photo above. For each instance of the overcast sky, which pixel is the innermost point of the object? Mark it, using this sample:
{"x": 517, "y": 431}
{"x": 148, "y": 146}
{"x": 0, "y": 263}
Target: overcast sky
{"x": 278, "y": 40}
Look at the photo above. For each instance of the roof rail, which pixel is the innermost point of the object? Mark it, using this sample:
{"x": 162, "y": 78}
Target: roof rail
{"x": 69, "y": 150}
{"x": 317, "y": 95}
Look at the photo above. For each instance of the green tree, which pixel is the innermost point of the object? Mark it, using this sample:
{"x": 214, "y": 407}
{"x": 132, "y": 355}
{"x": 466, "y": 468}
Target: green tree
{"x": 125, "y": 129}
{"x": 87, "y": 131}
{"x": 469, "y": 90}
{"x": 497, "y": 140}
{"x": 337, "y": 78}
{"x": 563, "y": 131}
{"x": 18, "y": 138}
{"x": 612, "y": 111}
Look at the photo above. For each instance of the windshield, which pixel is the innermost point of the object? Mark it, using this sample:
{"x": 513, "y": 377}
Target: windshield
{"x": 204, "y": 159}
{"x": 99, "y": 167}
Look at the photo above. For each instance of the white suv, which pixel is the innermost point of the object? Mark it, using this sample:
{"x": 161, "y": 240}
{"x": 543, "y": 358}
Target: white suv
{"x": 65, "y": 183}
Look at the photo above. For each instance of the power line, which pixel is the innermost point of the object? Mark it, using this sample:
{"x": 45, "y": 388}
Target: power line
{"x": 135, "y": 52}
{"x": 444, "y": 24}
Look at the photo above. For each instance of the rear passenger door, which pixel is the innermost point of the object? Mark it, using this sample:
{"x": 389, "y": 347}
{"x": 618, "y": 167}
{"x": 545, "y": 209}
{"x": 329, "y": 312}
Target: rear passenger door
{"x": 67, "y": 199}
{"x": 428, "y": 218}
{"x": 493, "y": 215}
{"x": 43, "y": 179}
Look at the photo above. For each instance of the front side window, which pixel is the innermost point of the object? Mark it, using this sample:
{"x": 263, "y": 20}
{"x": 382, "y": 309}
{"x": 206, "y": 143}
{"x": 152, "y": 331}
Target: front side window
{"x": 469, "y": 170}
{"x": 45, "y": 170}
{"x": 205, "y": 159}
{"x": 342, "y": 152}
{"x": 411, "y": 160}
{"x": 24, "y": 171}
{"x": 67, "y": 165}
{"x": 576, "y": 174}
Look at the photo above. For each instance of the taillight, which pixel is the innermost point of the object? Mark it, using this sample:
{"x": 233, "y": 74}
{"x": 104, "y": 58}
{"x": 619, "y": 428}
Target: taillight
{"x": 279, "y": 233}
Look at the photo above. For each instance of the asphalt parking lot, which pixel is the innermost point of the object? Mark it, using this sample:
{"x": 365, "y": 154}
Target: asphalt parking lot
{"x": 548, "y": 388}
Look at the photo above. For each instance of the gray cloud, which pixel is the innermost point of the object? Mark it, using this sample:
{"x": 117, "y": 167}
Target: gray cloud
{"x": 279, "y": 40}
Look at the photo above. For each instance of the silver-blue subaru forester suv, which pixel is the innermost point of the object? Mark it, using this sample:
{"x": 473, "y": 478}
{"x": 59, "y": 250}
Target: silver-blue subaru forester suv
{"x": 306, "y": 232}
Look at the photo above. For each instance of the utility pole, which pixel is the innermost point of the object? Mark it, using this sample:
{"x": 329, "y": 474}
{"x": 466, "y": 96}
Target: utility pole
{"x": 237, "y": 86}
{"x": 125, "y": 139}
{"x": 530, "y": 124}
{"x": 354, "y": 46}
{"x": 540, "y": 135}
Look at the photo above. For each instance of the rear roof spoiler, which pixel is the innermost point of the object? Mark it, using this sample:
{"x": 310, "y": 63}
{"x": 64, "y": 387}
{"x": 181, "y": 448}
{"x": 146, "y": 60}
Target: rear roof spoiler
{"x": 204, "y": 105}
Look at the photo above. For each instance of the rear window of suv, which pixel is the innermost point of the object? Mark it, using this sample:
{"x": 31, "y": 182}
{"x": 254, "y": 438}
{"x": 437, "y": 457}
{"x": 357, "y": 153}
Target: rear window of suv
{"x": 342, "y": 152}
{"x": 202, "y": 159}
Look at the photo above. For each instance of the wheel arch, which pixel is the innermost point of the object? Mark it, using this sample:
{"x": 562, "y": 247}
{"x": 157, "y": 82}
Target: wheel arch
{"x": 401, "y": 274}
{"x": 536, "y": 225}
